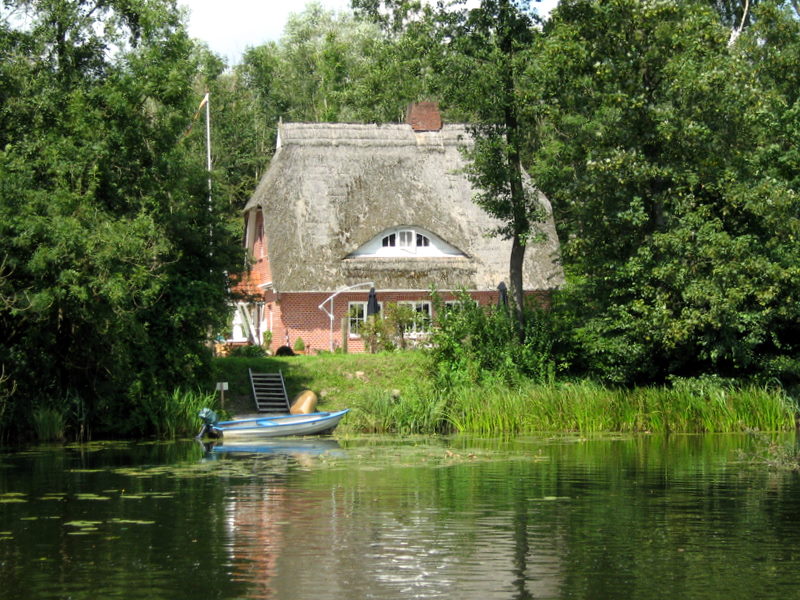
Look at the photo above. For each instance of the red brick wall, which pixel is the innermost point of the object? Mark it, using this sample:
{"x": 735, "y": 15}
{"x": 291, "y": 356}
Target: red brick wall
{"x": 261, "y": 270}
{"x": 297, "y": 315}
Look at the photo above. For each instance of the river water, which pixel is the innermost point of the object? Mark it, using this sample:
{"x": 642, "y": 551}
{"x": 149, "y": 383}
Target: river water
{"x": 462, "y": 518}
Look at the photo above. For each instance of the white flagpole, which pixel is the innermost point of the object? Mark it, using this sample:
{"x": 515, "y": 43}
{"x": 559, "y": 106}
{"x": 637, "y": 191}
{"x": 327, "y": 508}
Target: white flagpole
{"x": 208, "y": 141}
{"x": 208, "y": 167}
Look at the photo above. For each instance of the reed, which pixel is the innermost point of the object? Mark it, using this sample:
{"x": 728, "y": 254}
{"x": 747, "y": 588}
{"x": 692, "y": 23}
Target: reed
{"x": 49, "y": 424}
{"x": 395, "y": 393}
{"x": 414, "y": 412}
{"x": 588, "y": 408}
{"x": 175, "y": 415}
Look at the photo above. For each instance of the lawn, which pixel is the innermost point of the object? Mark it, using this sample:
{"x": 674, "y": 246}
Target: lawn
{"x": 339, "y": 380}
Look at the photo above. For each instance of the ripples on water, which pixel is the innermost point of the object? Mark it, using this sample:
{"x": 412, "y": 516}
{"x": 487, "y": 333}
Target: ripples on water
{"x": 380, "y": 518}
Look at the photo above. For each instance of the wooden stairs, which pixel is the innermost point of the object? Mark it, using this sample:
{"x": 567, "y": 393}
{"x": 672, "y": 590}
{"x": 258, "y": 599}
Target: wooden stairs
{"x": 269, "y": 392}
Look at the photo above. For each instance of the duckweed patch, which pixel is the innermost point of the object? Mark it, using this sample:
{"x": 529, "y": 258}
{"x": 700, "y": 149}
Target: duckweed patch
{"x": 131, "y": 522}
{"x": 92, "y": 497}
{"x": 13, "y": 499}
{"x": 58, "y": 496}
{"x": 83, "y": 524}
{"x": 86, "y": 470}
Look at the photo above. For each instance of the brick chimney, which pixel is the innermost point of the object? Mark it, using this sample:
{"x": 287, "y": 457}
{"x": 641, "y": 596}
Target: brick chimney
{"x": 424, "y": 116}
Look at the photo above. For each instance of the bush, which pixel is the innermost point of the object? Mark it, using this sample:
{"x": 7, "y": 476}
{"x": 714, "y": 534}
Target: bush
{"x": 472, "y": 344}
{"x": 267, "y": 341}
{"x": 248, "y": 351}
{"x": 378, "y": 333}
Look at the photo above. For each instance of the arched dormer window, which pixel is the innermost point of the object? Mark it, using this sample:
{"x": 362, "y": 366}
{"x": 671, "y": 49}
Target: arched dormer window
{"x": 406, "y": 242}
{"x": 406, "y": 239}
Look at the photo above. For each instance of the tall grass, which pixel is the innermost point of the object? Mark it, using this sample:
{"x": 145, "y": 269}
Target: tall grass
{"x": 395, "y": 393}
{"x": 588, "y": 407}
{"x": 175, "y": 415}
{"x": 417, "y": 412}
{"x": 49, "y": 423}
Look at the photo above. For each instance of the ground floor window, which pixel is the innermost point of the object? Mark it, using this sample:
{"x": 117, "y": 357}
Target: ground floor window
{"x": 356, "y": 317}
{"x": 421, "y": 324}
{"x": 459, "y": 304}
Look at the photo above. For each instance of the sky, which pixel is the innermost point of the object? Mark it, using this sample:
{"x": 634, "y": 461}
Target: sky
{"x": 230, "y": 26}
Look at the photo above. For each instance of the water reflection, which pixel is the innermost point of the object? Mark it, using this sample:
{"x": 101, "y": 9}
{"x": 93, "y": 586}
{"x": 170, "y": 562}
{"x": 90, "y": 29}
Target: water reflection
{"x": 297, "y": 448}
{"x": 257, "y": 512}
{"x": 538, "y": 517}
{"x": 390, "y": 535}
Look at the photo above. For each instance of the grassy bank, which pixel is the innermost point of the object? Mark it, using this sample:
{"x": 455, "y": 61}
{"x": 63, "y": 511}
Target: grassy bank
{"x": 391, "y": 393}
{"x": 340, "y": 380}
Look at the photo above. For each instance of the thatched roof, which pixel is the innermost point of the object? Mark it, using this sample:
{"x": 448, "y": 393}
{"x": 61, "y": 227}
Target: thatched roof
{"x": 331, "y": 188}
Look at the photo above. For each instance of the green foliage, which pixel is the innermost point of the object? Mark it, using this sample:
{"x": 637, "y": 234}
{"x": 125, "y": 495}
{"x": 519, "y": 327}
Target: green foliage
{"x": 316, "y": 72}
{"x": 171, "y": 415}
{"x": 299, "y": 344}
{"x": 267, "y": 344}
{"x": 688, "y": 406}
{"x": 400, "y": 320}
{"x": 110, "y": 284}
{"x": 248, "y": 351}
{"x": 473, "y": 344}
{"x": 420, "y": 411}
{"x": 48, "y": 424}
{"x": 379, "y": 333}
{"x": 242, "y": 134}
{"x": 678, "y": 233}
{"x": 480, "y": 74}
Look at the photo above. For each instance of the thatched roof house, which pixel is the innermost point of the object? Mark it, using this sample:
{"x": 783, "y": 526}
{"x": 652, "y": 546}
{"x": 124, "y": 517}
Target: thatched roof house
{"x": 343, "y": 204}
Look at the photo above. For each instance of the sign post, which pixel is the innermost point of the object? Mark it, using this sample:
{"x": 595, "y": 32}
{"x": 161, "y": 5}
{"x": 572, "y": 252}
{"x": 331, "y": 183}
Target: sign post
{"x": 222, "y": 387}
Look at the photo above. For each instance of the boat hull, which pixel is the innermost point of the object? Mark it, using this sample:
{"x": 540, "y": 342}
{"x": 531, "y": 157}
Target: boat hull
{"x": 280, "y": 426}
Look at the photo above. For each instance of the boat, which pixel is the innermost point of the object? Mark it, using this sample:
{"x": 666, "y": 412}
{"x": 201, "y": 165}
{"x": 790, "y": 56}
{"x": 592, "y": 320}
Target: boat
{"x": 257, "y": 428}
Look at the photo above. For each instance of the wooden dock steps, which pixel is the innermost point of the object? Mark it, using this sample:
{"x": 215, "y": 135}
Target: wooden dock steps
{"x": 269, "y": 392}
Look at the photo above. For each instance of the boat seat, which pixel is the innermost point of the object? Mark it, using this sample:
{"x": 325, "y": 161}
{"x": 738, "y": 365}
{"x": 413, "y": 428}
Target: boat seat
{"x": 269, "y": 392}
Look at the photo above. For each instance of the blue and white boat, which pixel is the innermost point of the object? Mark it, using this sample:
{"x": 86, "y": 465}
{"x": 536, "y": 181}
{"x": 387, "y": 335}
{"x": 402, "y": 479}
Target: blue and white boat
{"x": 269, "y": 427}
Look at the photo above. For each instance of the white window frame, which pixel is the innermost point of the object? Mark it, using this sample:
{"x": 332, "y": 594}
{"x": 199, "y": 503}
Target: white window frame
{"x": 407, "y": 239}
{"x": 419, "y": 329}
{"x": 355, "y": 322}
{"x": 448, "y": 304}
{"x": 359, "y": 319}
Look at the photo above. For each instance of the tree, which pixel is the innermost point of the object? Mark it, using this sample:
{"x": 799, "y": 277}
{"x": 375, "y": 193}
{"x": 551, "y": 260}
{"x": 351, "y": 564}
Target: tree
{"x": 475, "y": 56}
{"x": 741, "y": 13}
{"x": 677, "y": 238}
{"x": 242, "y": 131}
{"x": 104, "y": 217}
{"x": 309, "y": 73}
{"x": 482, "y": 55}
